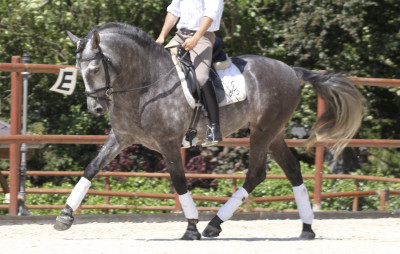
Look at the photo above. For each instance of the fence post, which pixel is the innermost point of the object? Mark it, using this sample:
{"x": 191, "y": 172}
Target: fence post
{"x": 356, "y": 198}
{"x": 177, "y": 207}
{"x": 15, "y": 125}
{"x": 107, "y": 198}
{"x": 319, "y": 161}
{"x": 234, "y": 185}
{"x": 384, "y": 198}
{"x": 183, "y": 157}
{"x": 248, "y": 204}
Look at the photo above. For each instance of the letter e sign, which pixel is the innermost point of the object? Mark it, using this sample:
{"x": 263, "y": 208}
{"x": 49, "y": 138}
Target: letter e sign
{"x": 66, "y": 81}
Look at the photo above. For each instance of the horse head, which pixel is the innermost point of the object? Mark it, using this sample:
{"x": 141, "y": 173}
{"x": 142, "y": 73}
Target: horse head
{"x": 97, "y": 70}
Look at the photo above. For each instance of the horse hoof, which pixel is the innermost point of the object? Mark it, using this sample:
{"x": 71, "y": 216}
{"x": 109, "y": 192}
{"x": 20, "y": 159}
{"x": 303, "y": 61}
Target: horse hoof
{"x": 191, "y": 235}
{"x": 211, "y": 231}
{"x": 307, "y": 233}
{"x": 63, "y": 222}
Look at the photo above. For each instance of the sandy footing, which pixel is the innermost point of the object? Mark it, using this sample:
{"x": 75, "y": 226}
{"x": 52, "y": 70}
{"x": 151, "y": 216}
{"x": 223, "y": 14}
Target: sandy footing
{"x": 255, "y": 236}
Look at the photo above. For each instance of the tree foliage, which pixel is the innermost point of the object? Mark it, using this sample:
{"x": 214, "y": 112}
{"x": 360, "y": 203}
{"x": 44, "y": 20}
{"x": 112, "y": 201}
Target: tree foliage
{"x": 358, "y": 37}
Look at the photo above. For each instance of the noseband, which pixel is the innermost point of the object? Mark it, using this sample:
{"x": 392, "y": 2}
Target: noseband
{"x": 108, "y": 89}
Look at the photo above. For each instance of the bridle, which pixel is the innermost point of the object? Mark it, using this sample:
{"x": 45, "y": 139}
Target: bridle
{"x": 108, "y": 90}
{"x": 106, "y": 61}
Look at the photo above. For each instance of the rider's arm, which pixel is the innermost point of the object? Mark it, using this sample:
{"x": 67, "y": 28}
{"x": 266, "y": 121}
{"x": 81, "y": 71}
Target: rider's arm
{"x": 169, "y": 23}
{"x": 212, "y": 12}
{"x": 191, "y": 42}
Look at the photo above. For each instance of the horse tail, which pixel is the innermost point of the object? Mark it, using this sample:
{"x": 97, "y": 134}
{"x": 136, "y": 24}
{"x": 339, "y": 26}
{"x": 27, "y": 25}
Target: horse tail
{"x": 344, "y": 108}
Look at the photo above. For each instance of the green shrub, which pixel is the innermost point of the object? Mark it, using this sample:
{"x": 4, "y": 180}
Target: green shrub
{"x": 221, "y": 187}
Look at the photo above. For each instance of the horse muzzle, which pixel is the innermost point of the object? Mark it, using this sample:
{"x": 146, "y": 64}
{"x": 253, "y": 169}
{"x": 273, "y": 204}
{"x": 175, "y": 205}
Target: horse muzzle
{"x": 97, "y": 107}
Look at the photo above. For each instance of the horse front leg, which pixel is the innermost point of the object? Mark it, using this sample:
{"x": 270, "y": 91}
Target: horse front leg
{"x": 175, "y": 168}
{"x": 110, "y": 149}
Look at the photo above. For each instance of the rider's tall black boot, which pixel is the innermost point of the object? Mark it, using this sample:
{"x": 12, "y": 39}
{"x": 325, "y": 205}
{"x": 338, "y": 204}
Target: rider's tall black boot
{"x": 211, "y": 106}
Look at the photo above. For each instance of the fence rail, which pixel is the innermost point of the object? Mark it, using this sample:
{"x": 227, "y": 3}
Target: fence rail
{"x": 203, "y": 176}
{"x": 384, "y": 194}
{"x": 100, "y": 139}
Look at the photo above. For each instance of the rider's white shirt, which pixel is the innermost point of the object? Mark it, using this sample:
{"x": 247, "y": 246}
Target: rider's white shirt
{"x": 191, "y": 13}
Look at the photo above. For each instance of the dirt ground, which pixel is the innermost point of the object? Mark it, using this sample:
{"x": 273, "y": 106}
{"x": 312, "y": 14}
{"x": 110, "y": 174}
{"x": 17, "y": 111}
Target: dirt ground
{"x": 242, "y": 236}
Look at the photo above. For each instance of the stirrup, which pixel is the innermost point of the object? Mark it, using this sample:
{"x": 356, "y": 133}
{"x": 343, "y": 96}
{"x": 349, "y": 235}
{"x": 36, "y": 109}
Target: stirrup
{"x": 213, "y": 136}
{"x": 207, "y": 143}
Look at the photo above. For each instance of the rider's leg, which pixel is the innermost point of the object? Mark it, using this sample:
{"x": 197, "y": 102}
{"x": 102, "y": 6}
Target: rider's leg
{"x": 201, "y": 57}
{"x": 211, "y": 106}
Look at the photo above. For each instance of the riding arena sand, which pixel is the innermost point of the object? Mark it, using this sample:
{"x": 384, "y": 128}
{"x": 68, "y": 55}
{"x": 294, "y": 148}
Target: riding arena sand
{"x": 337, "y": 234}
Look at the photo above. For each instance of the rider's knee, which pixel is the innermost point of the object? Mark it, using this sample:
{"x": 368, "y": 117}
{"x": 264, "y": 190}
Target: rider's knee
{"x": 202, "y": 79}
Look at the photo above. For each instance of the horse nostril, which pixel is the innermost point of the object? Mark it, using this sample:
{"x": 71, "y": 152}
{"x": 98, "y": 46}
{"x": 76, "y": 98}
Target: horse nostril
{"x": 99, "y": 111}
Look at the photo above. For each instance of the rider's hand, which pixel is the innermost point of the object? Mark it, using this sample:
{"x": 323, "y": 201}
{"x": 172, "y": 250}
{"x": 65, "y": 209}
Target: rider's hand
{"x": 160, "y": 40}
{"x": 190, "y": 43}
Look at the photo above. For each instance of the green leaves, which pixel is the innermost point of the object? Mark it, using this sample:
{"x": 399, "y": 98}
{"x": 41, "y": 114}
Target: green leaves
{"x": 269, "y": 187}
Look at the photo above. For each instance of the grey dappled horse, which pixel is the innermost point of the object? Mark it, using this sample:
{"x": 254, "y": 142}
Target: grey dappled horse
{"x": 134, "y": 79}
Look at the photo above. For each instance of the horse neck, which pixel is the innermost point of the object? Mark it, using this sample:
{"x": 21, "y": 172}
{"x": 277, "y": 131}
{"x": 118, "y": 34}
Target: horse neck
{"x": 144, "y": 67}
{"x": 140, "y": 65}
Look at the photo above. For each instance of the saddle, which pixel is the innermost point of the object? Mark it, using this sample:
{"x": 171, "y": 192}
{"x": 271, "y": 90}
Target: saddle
{"x": 220, "y": 61}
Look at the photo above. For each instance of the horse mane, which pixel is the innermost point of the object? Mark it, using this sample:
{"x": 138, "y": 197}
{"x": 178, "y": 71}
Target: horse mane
{"x": 134, "y": 33}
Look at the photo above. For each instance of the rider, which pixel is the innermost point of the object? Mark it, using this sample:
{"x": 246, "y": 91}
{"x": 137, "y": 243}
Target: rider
{"x": 198, "y": 20}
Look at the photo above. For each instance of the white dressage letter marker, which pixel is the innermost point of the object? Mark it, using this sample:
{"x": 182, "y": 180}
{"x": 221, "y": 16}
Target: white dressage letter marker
{"x": 188, "y": 206}
{"x": 66, "y": 81}
{"x": 78, "y": 193}
{"x": 303, "y": 204}
{"x": 226, "y": 212}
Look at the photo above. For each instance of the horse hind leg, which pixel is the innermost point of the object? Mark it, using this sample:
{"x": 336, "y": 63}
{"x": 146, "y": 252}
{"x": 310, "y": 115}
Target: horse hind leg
{"x": 291, "y": 166}
{"x": 259, "y": 142}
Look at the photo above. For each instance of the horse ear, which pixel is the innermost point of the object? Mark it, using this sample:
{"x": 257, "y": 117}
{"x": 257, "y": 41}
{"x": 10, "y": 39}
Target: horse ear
{"x": 95, "y": 40}
{"x": 73, "y": 38}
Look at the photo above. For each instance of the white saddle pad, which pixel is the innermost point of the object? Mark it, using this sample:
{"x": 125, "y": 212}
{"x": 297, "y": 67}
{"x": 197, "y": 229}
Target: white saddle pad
{"x": 232, "y": 80}
{"x": 234, "y": 85}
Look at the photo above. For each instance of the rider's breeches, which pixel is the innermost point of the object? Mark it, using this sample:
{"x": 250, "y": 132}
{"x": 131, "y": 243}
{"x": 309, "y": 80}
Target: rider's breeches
{"x": 201, "y": 55}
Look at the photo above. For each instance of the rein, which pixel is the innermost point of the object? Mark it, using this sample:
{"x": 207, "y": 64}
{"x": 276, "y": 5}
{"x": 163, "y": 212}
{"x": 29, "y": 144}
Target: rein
{"x": 108, "y": 88}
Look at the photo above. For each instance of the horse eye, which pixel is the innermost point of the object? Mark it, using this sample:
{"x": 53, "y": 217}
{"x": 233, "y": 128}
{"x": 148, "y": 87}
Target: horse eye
{"x": 96, "y": 70}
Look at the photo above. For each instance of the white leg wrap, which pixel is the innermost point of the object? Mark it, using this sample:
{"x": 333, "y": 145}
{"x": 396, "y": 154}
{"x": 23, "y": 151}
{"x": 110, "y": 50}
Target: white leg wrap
{"x": 226, "y": 211}
{"x": 188, "y": 206}
{"x": 303, "y": 204}
{"x": 78, "y": 193}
